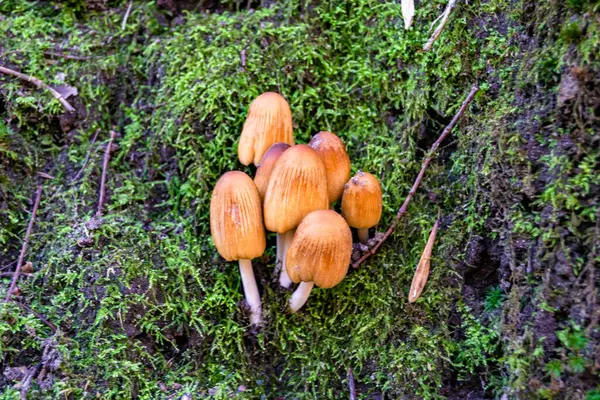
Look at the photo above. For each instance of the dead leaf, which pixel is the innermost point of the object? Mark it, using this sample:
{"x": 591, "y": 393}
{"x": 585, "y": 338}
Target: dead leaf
{"x": 27, "y": 268}
{"x": 422, "y": 273}
{"x": 66, "y": 91}
{"x": 408, "y": 12}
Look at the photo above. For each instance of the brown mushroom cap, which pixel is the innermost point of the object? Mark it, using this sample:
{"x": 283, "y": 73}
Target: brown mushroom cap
{"x": 269, "y": 121}
{"x": 265, "y": 168}
{"x": 236, "y": 221}
{"x": 298, "y": 185}
{"x": 333, "y": 153}
{"x": 321, "y": 249}
{"x": 362, "y": 201}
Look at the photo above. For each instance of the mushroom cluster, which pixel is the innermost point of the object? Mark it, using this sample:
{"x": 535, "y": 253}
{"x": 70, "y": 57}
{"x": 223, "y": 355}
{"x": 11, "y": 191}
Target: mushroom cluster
{"x": 293, "y": 194}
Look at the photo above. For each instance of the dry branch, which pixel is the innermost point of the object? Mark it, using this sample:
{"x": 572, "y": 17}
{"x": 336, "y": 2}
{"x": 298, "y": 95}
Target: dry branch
{"x": 40, "y": 85}
{"x": 87, "y": 156}
{"x": 113, "y": 134}
{"x": 39, "y": 316}
{"x": 352, "y": 385}
{"x": 441, "y": 26}
{"x": 15, "y": 278}
{"x": 124, "y": 23}
{"x": 415, "y": 186}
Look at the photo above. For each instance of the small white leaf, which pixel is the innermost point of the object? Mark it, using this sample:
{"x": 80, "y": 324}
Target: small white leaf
{"x": 408, "y": 12}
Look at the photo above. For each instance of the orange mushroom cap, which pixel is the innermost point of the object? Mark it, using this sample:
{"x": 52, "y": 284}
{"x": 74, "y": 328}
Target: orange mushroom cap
{"x": 265, "y": 168}
{"x": 333, "y": 153}
{"x": 362, "y": 201}
{"x": 236, "y": 220}
{"x": 269, "y": 121}
{"x": 321, "y": 249}
{"x": 298, "y": 186}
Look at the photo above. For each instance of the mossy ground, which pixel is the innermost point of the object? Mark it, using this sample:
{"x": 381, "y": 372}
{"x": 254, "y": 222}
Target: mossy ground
{"x": 150, "y": 310}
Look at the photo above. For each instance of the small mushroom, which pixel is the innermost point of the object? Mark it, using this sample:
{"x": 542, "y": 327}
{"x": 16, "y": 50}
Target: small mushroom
{"x": 269, "y": 121}
{"x": 362, "y": 203}
{"x": 333, "y": 153}
{"x": 298, "y": 186}
{"x": 265, "y": 168}
{"x": 236, "y": 225}
{"x": 319, "y": 254}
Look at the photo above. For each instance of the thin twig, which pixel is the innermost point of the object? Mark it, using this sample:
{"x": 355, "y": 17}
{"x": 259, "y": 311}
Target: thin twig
{"x": 113, "y": 134}
{"x": 13, "y": 284}
{"x": 87, "y": 156}
{"x": 352, "y": 384}
{"x": 124, "y": 23}
{"x": 441, "y": 26}
{"x": 40, "y": 85}
{"x": 10, "y": 273}
{"x": 65, "y": 56}
{"x": 415, "y": 186}
{"x": 10, "y": 264}
{"x": 26, "y": 383}
{"x": 39, "y": 316}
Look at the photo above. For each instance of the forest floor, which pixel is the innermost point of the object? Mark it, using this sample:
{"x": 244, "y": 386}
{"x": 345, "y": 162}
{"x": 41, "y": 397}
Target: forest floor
{"x": 138, "y": 303}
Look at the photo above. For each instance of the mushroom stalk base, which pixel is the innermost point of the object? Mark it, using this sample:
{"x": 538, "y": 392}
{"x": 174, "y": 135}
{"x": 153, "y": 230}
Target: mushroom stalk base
{"x": 286, "y": 240}
{"x": 363, "y": 235}
{"x": 250, "y": 291}
{"x": 300, "y": 296}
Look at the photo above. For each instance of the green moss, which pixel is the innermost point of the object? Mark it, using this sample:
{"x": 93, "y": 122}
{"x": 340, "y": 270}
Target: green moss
{"x": 150, "y": 304}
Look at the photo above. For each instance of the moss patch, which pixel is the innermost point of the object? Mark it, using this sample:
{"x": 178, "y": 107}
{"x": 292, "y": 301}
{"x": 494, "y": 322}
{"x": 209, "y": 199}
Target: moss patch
{"x": 145, "y": 306}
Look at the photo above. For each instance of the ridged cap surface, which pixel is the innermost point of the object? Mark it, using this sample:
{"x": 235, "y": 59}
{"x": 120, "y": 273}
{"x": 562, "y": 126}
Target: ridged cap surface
{"x": 333, "y": 153}
{"x": 321, "y": 249}
{"x": 298, "y": 186}
{"x": 265, "y": 168}
{"x": 236, "y": 220}
{"x": 269, "y": 121}
{"x": 362, "y": 201}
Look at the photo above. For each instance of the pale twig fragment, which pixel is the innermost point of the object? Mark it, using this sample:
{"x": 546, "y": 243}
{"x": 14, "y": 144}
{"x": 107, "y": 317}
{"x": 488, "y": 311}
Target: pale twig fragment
{"x": 422, "y": 272}
{"x": 408, "y": 12}
{"x": 126, "y": 17}
{"x": 15, "y": 278}
{"x": 40, "y": 85}
{"x": 440, "y": 27}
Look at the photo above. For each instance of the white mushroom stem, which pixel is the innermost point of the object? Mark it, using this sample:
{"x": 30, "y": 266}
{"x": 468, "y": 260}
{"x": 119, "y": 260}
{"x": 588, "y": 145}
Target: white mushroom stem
{"x": 250, "y": 291}
{"x": 363, "y": 235}
{"x": 300, "y": 296}
{"x": 286, "y": 241}
{"x": 279, "y": 248}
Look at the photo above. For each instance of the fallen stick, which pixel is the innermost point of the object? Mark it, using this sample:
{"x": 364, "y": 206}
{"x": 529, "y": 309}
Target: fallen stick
{"x": 65, "y": 56}
{"x": 415, "y": 186}
{"x": 39, "y": 316}
{"x": 87, "y": 156}
{"x": 124, "y": 23}
{"x": 40, "y": 85}
{"x": 15, "y": 278}
{"x": 10, "y": 273}
{"x": 113, "y": 134}
{"x": 441, "y": 26}
{"x": 352, "y": 385}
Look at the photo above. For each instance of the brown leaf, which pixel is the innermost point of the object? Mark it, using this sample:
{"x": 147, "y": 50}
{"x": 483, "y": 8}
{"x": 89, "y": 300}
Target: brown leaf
{"x": 27, "y": 268}
{"x": 422, "y": 272}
